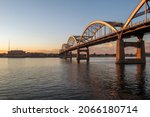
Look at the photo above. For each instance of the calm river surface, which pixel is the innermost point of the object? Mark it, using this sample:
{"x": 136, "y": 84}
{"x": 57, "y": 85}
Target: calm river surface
{"x": 54, "y": 78}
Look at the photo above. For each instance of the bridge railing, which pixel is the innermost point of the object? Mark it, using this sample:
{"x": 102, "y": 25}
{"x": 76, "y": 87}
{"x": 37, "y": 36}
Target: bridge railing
{"x": 138, "y": 23}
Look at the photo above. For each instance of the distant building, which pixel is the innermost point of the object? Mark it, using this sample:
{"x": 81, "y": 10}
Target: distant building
{"x": 36, "y": 54}
{"x": 16, "y": 53}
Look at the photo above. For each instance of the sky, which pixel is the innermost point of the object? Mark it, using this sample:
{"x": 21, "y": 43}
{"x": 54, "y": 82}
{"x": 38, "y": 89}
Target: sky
{"x": 43, "y": 25}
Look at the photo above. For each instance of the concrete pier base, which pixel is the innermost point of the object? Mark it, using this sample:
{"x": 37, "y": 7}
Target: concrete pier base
{"x": 140, "y": 54}
{"x": 120, "y": 54}
{"x": 68, "y": 55}
{"x": 83, "y": 54}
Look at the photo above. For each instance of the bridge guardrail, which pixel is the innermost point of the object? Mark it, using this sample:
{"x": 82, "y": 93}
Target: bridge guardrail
{"x": 138, "y": 23}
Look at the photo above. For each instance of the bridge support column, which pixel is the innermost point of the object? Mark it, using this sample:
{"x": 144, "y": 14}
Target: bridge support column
{"x": 68, "y": 55}
{"x": 61, "y": 56}
{"x": 120, "y": 54}
{"x": 84, "y": 56}
{"x": 140, "y": 55}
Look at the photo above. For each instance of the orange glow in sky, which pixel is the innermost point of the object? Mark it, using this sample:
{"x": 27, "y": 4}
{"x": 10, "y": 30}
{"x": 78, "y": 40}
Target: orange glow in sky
{"x": 44, "y": 25}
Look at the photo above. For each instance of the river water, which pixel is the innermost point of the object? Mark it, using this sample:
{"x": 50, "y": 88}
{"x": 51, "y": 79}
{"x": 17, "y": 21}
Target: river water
{"x": 54, "y": 78}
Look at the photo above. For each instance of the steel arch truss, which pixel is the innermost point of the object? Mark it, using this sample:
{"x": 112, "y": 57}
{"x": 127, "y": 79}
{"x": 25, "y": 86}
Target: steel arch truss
{"x": 64, "y": 47}
{"x": 73, "y": 40}
{"x": 137, "y": 12}
{"x": 99, "y": 28}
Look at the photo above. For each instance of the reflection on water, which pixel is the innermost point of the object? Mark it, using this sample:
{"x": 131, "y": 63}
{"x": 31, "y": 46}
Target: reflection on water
{"x": 54, "y": 78}
{"x": 137, "y": 87}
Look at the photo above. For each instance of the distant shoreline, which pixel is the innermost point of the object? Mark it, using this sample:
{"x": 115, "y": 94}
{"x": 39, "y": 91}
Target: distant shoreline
{"x": 44, "y": 55}
{"x": 72, "y": 57}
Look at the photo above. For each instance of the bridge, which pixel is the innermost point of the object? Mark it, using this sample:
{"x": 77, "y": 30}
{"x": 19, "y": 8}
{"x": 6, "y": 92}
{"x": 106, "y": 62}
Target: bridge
{"x": 100, "y": 32}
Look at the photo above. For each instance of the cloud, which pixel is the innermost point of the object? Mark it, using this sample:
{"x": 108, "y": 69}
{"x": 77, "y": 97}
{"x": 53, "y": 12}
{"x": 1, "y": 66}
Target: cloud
{"x": 2, "y": 51}
{"x": 45, "y": 51}
{"x": 110, "y": 48}
{"x": 147, "y": 46}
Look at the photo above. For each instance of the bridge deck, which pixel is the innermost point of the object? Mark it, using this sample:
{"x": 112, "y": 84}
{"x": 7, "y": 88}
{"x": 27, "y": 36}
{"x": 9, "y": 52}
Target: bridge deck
{"x": 130, "y": 31}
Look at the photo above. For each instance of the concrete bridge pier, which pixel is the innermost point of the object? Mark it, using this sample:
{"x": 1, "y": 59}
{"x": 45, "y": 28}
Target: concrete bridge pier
{"x": 83, "y": 54}
{"x": 68, "y": 55}
{"x": 140, "y": 54}
{"x": 141, "y": 57}
{"x": 61, "y": 56}
{"x": 120, "y": 53}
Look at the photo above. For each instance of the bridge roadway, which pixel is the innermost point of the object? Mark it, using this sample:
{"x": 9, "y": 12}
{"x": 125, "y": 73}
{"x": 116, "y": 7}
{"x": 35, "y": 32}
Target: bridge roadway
{"x": 132, "y": 31}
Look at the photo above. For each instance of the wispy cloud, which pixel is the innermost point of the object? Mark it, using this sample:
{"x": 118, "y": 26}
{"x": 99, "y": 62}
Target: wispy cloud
{"x": 110, "y": 48}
